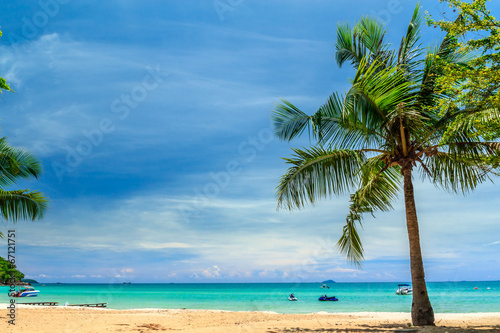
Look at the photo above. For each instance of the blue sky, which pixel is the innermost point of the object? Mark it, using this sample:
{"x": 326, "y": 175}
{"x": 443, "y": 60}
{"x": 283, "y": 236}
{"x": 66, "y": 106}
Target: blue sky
{"x": 152, "y": 119}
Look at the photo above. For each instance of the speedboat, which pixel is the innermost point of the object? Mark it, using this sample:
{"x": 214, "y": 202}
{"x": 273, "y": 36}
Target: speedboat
{"x": 292, "y": 297}
{"x": 326, "y": 298}
{"x": 325, "y": 286}
{"x": 25, "y": 292}
{"x": 404, "y": 289}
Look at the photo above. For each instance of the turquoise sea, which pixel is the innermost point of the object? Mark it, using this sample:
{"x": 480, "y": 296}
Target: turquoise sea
{"x": 449, "y": 297}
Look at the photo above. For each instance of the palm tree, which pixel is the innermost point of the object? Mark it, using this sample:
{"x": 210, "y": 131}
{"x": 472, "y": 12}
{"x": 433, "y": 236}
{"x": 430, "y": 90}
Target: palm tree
{"x": 373, "y": 139}
{"x": 16, "y": 164}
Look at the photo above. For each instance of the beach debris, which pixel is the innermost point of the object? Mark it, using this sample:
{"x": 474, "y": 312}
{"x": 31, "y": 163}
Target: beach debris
{"x": 150, "y": 327}
{"x": 41, "y": 303}
{"x": 91, "y": 305}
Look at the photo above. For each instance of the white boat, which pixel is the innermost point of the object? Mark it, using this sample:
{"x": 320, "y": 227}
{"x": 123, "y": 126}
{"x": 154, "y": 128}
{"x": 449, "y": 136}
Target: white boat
{"x": 25, "y": 292}
{"x": 404, "y": 289}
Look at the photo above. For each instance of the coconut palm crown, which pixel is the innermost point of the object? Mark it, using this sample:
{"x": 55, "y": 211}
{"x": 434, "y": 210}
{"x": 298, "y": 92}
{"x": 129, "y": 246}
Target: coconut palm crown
{"x": 375, "y": 137}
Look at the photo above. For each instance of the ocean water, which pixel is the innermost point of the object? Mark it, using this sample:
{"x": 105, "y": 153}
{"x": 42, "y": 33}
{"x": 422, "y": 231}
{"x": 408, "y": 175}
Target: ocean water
{"x": 446, "y": 297}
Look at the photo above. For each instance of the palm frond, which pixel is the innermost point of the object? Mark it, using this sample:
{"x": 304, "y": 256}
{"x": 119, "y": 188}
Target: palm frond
{"x": 22, "y": 205}
{"x": 16, "y": 163}
{"x": 381, "y": 88}
{"x": 471, "y": 125}
{"x": 336, "y": 122}
{"x": 379, "y": 188}
{"x": 456, "y": 173}
{"x": 288, "y": 121}
{"x": 380, "y": 185}
{"x": 410, "y": 50}
{"x": 371, "y": 34}
{"x": 364, "y": 41}
{"x": 348, "y": 46}
{"x": 349, "y": 243}
{"x": 318, "y": 172}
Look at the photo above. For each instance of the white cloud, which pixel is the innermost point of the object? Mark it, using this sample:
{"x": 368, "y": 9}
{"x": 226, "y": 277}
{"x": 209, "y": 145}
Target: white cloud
{"x": 212, "y": 272}
{"x": 158, "y": 246}
{"x": 344, "y": 270}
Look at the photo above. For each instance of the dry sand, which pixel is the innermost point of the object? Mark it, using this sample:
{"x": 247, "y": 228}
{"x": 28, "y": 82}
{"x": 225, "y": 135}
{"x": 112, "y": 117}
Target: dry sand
{"x": 83, "y": 320}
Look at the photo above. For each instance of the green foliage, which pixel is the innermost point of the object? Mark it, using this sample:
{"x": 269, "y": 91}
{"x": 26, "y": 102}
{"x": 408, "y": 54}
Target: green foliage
{"x": 387, "y": 123}
{"x": 473, "y": 30}
{"x": 317, "y": 172}
{"x": 9, "y": 273}
{"x": 4, "y": 85}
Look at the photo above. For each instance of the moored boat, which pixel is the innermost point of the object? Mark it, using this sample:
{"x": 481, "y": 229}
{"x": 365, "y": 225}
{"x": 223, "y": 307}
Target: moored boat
{"x": 404, "y": 289}
{"x": 326, "y": 298}
{"x": 25, "y": 292}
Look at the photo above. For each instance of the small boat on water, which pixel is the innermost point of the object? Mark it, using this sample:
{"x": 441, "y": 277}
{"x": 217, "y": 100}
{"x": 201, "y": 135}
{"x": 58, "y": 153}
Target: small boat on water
{"x": 292, "y": 297}
{"x": 326, "y": 298}
{"x": 25, "y": 292}
{"x": 404, "y": 289}
{"x": 127, "y": 282}
{"x": 325, "y": 286}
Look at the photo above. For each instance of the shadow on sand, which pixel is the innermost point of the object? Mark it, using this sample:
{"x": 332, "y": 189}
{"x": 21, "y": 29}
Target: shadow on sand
{"x": 394, "y": 328}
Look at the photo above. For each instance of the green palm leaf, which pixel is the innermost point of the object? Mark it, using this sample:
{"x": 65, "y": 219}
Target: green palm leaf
{"x": 371, "y": 35}
{"x": 379, "y": 185}
{"x": 289, "y": 122}
{"x": 364, "y": 41}
{"x": 349, "y": 243}
{"x": 409, "y": 50}
{"x": 348, "y": 45}
{"x": 378, "y": 90}
{"x": 455, "y": 173}
{"x": 16, "y": 163}
{"x": 318, "y": 172}
{"x": 339, "y": 121}
{"x": 22, "y": 205}
{"x": 379, "y": 188}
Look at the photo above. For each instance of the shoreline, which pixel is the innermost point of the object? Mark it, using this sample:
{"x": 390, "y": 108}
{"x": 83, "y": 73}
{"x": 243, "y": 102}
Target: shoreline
{"x": 25, "y": 306}
{"x": 80, "y": 319}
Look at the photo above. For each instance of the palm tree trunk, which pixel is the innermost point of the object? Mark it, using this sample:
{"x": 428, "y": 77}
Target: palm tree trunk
{"x": 421, "y": 309}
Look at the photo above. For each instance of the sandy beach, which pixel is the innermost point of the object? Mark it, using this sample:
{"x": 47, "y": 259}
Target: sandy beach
{"x": 82, "y": 320}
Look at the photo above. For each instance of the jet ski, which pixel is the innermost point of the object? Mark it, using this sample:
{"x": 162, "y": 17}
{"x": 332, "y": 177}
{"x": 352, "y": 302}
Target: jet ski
{"x": 292, "y": 297}
{"x": 326, "y": 298}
